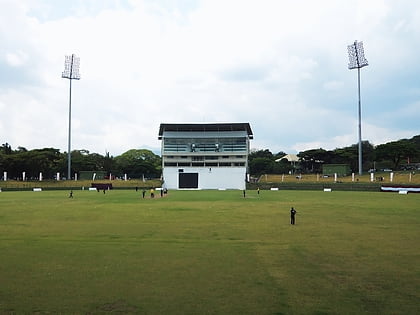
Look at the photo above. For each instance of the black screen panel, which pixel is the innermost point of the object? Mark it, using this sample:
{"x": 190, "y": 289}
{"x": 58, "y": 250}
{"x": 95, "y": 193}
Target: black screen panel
{"x": 188, "y": 180}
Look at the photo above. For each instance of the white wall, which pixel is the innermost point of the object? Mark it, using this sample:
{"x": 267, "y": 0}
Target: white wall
{"x": 208, "y": 178}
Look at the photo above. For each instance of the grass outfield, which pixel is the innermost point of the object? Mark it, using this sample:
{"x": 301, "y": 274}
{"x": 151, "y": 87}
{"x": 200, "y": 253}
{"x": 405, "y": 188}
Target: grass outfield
{"x": 209, "y": 252}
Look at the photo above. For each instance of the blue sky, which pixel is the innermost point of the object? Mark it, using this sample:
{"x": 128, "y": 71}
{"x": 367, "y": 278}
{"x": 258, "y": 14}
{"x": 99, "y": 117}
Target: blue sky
{"x": 279, "y": 65}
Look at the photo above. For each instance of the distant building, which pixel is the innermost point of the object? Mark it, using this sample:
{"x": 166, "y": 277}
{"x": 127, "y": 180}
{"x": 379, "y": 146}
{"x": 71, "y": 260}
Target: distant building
{"x": 205, "y": 156}
{"x": 339, "y": 169}
{"x": 292, "y": 158}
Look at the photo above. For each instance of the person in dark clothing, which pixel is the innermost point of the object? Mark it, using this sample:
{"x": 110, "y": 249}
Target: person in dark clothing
{"x": 71, "y": 194}
{"x": 244, "y": 193}
{"x": 143, "y": 192}
{"x": 292, "y": 216}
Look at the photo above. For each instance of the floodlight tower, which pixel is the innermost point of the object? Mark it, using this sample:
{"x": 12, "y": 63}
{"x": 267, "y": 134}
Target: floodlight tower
{"x": 71, "y": 72}
{"x": 357, "y": 61}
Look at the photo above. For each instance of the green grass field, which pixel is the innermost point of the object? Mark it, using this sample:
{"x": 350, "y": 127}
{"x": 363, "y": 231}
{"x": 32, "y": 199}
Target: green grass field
{"x": 209, "y": 252}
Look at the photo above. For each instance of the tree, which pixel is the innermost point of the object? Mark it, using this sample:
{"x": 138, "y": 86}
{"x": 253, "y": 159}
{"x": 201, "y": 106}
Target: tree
{"x": 396, "y": 151}
{"x": 312, "y": 160}
{"x": 260, "y": 154}
{"x": 136, "y": 163}
{"x": 282, "y": 167}
{"x": 41, "y": 160}
{"x": 416, "y": 142}
{"x": 261, "y": 165}
{"x": 83, "y": 160}
{"x": 6, "y": 148}
{"x": 108, "y": 162}
{"x": 260, "y": 162}
{"x": 279, "y": 155}
{"x": 32, "y": 162}
{"x": 415, "y": 157}
{"x": 350, "y": 155}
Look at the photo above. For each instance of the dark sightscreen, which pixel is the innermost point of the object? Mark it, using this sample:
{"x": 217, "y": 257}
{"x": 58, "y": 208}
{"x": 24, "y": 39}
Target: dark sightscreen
{"x": 188, "y": 180}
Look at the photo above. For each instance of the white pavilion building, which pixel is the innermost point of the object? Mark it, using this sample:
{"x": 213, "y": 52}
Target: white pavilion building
{"x": 205, "y": 156}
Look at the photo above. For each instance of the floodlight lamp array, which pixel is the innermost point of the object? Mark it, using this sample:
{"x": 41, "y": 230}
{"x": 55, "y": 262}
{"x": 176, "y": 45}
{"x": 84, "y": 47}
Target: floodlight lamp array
{"x": 71, "y": 67}
{"x": 356, "y": 55}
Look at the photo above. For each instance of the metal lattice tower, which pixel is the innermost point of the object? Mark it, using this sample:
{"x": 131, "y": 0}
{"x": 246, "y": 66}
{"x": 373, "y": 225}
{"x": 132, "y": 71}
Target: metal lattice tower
{"x": 71, "y": 72}
{"x": 357, "y": 61}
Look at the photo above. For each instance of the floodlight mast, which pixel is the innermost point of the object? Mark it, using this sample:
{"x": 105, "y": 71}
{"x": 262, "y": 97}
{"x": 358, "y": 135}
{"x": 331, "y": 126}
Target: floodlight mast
{"x": 71, "y": 72}
{"x": 357, "y": 60}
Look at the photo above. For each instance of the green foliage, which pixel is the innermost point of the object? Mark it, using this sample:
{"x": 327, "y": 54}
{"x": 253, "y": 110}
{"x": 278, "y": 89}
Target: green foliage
{"x": 282, "y": 167}
{"x": 391, "y": 155}
{"x": 260, "y": 162}
{"x": 49, "y": 161}
{"x": 6, "y": 148}
{"x": 261, "y": 165}
{"x": 279, "y": 155}
{"x": 32, "y": 162}
{"x": 312, "y": 160}
{"x": 136, "y": 163}
{"x": 396, "y": 151}
{"x": 81, "y": 160}
{"x": 261, "y": 154}
{"x": 350, "y": 155}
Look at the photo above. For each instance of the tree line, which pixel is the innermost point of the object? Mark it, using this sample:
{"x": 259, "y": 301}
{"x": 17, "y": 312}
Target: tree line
{"x": 139, "y": 163}
{"x": 403, "y": 154}
{"x": 136, "y": 163}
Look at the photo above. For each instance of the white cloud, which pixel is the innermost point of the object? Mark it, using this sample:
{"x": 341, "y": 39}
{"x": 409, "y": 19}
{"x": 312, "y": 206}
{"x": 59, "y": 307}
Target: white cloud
{"x": 16, "y": 59}
{"x": 333, "y": 85}
{"x": 282, "y": 66}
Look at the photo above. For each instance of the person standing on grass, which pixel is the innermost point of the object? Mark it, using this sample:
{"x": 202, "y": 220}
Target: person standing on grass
{"x": 71, "y": 194}
{"x": 143, "y": 192}
{"x": 292, "y": 216}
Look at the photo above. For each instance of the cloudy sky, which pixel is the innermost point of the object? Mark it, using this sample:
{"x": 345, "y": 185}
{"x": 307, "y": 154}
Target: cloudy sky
{"x": 281, "y": 65}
